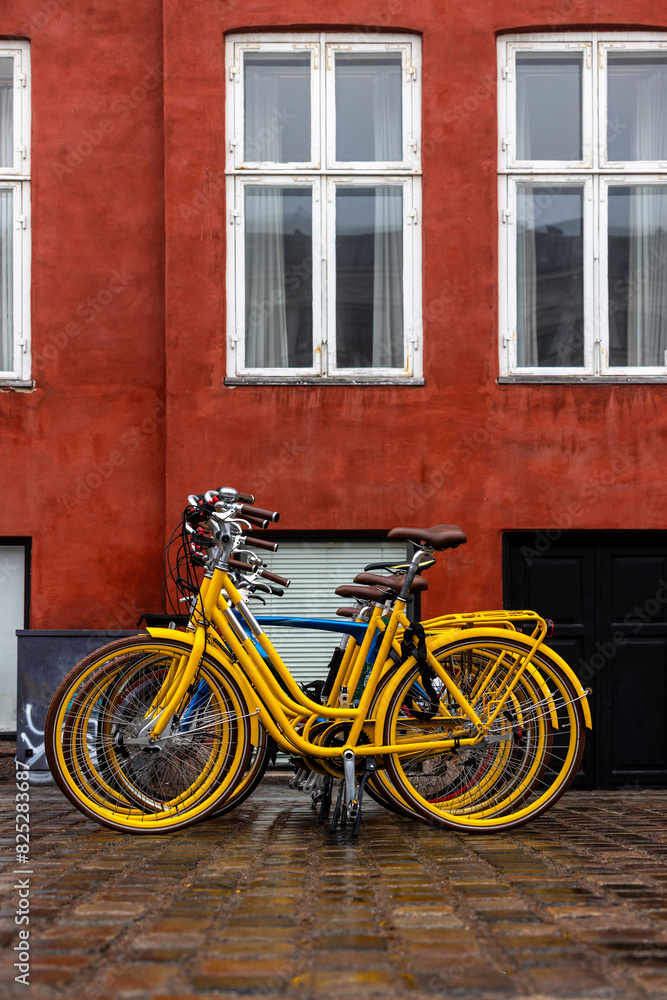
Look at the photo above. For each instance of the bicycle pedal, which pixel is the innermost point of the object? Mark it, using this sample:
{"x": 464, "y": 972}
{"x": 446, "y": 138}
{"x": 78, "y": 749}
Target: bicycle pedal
{"x": 297, "y": 779}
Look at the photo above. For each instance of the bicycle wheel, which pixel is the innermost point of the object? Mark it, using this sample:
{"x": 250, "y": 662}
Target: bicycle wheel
{"x": 91, "y": 738}
{"x": 260, "y": 756}
{"x": 520, "y": 769}
{"x": 488, "y": 776}
{"x": 475, "y": 773}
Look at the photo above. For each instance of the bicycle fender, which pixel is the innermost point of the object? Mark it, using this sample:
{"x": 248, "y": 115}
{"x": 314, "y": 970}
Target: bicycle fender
{"x": 501, "y": 633}
{"x": 187, "y": 638}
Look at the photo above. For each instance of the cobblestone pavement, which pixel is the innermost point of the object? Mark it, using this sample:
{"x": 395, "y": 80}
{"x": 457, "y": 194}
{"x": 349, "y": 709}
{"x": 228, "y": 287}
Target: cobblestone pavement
{"x": 263, "y": 902}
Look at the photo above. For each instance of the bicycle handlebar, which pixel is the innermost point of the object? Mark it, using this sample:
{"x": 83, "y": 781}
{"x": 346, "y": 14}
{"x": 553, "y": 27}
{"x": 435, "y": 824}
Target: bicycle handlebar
{"x": 248, "y": 567}
{"x": 272, "y": 515}
{"x": 227, "y": 510}
{"x": 205, "y": 541}
{"x": 260, "y": 543}
{"x": 281, "y": 580}
{"x": 258, "y": 522}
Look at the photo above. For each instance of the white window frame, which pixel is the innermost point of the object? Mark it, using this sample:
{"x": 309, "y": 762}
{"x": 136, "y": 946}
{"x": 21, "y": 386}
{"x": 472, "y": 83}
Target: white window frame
{"x": 595, "y": 172}
{"x": 17, "y": 178}
{"x": 324, "y": 173}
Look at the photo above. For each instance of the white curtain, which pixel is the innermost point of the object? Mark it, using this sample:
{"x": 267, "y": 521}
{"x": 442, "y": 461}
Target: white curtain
{"x": 6, "y": 227}
{"x": 6, "y": 120}
{"x": 263, "y": 135}
{"x": 388, "y": 243}
{"x": 266, "y": 320}
{"x": 523, "y": 144}
{"x": 526, "y": 276}
{"x": 647, "y": 279}
{"x": 6, "y": 281}
{"x": 526, "y": 281}
{"x": 387, "y": 113}
{"x": 388, "y": 279}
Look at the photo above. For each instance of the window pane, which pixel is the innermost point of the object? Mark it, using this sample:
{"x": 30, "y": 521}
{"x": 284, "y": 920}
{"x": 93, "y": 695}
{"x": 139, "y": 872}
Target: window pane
{"x": 548, "y": 106}
{"x": 637, "y": 106}
{"x": 638, "y": 275}
{"x": 369, "y": 277}
{"x": 277, "y": 108}
{"x": 550, "y": 277}
{"x": 12, "y": 617}
{"x": 6, "y": 111}
{"x": 368, "y": 107}
{"x": 279, "y": 277}
{"x": 6, "y": 281}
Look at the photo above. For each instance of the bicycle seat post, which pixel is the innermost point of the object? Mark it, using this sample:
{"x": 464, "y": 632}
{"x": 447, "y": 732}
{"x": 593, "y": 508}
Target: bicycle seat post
{"x": 412, "y": 572}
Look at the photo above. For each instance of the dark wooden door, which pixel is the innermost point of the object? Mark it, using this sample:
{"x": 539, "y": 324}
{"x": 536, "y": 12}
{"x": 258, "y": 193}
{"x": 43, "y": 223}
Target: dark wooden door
{"x": 607, "y": 595}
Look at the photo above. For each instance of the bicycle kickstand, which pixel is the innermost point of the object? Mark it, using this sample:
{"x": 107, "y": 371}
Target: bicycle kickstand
{"x": 346, "y": 803}
{"x": 338, "y": 807}
{"x": 371, "y": 768}
{"x": 325, "y": 801}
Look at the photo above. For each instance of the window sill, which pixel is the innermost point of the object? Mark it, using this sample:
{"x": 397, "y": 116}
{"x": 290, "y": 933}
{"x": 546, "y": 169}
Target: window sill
{"x": 582, "y": 379}
{"x": 315, "y": 380}
{"x": 15, "y": 383}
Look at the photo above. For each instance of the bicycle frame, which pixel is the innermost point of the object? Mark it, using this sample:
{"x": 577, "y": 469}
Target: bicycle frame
{"x": 461, "y": 721}
{"x": 283, "y": 706}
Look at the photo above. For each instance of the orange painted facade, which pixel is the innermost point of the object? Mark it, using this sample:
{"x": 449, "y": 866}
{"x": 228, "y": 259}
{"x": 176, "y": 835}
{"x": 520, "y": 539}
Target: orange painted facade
{"x": 129, "y": 412}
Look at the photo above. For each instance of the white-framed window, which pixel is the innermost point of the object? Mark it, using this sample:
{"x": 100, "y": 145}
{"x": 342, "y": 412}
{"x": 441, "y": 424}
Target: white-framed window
{"x": 323, "y": 199}
{"x": 14, "y": 213}
{"x": 583, "y": 205}
{"x": 14, "y": 575}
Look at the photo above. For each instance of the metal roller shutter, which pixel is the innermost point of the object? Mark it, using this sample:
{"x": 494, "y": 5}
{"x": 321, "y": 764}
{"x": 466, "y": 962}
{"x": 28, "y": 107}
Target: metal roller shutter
{"x": 316, "y": 568}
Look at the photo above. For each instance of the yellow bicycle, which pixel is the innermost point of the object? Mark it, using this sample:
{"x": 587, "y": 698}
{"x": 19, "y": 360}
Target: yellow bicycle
{"x": 462, "y": 721}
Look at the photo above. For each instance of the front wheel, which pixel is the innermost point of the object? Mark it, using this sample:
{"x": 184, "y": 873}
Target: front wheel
{"x": 95, "y": 755}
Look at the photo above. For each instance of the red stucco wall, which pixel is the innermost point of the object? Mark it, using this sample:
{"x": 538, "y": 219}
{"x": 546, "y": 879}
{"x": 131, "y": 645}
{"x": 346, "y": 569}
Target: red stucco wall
{"x": 130, "y": 414}
{"x": 462, "y": 449}
{"x": 83, "y": 454}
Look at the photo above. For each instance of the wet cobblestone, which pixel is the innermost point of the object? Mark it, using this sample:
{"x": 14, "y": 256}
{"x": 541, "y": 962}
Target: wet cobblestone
{"x": 264, "y": 903}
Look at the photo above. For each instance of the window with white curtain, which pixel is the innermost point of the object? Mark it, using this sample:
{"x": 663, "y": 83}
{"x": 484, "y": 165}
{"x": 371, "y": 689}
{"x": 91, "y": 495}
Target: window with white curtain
{"x": 323, "y": 165}
{"x": 14, "y": 213}
{"x": 583, "y": 205}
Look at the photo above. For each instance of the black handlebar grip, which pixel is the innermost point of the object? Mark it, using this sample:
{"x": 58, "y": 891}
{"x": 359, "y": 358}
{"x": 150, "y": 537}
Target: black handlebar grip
{"x": 280, "y": 580}
{"x": 261, "y": 543}
{"x": 247, "y": 568}
{"x": 272, "y": 515}
{"x": 243, "y": 566}
{"x": 258, "y": 522}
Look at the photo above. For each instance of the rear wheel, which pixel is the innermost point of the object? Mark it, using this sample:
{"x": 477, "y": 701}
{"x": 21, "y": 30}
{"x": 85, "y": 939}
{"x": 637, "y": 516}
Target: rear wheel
{"x": 527, "y": 759}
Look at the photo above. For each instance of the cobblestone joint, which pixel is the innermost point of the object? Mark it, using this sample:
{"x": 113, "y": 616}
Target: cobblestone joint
{"x": 264, "y": 903}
